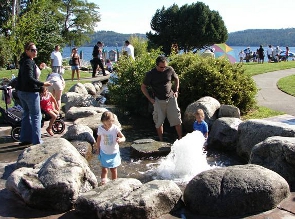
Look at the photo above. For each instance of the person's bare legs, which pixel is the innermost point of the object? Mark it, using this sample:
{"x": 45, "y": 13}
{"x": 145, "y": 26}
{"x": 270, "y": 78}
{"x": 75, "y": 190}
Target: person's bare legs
{"x": 51, "y": 121}
{"x": 178, "y": 129}
{"x": 104, "y": 175}
{"x": 78, "y": 74}
{"x": 114, "y": 173}
{"x": 57, "y": 94}
{"x": 73, "y": 74}
{"x": 160, "y": 132}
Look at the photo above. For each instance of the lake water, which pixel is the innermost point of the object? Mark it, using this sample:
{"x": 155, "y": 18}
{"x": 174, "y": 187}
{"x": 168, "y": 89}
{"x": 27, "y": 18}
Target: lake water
{"x": 87, "y": 51}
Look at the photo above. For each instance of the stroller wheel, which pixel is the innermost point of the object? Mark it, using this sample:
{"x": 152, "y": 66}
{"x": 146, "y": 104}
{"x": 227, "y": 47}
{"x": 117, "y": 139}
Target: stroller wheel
{"x": 58, "y": 126}
{"x": 15, "y": 133}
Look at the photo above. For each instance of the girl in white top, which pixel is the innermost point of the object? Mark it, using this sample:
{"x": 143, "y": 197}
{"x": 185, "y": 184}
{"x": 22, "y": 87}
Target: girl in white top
{"x": 108, "y": 137}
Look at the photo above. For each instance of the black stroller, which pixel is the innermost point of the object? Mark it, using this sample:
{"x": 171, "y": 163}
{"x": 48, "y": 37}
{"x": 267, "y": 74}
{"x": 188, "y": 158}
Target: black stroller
{"x": 12, "y": 116}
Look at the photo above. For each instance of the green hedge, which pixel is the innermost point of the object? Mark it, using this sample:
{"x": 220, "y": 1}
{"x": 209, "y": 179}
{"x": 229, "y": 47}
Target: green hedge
{"x": 217, "y": 78}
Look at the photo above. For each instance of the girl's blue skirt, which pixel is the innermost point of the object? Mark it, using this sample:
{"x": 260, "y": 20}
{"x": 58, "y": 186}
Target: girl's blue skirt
{"x": 109, "y": 160}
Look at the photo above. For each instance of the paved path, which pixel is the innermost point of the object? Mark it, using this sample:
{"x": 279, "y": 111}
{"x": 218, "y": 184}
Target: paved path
{"x": 270, "y": 96}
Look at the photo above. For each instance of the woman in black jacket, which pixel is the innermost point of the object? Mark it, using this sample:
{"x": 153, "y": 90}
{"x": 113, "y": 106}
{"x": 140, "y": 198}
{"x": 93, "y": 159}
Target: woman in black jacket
{"x": 28, "y": 92}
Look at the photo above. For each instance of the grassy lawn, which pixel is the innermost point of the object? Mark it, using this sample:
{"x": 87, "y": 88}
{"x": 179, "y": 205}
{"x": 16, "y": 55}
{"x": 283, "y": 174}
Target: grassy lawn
{"x": 253, "y": 68}
{"x": 287, "y": 84}
{"x": 67, "y": 76}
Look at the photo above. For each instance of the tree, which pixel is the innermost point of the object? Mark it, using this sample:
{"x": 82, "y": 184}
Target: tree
{"x": 47, "y": 23}
{"x": 77, "y": 18}
{"x": 192, "y": 27}
{"x": 35, "y": 26}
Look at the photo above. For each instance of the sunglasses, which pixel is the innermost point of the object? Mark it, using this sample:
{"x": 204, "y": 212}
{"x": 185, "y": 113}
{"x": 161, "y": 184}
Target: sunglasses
{"x": 33, "y": 50}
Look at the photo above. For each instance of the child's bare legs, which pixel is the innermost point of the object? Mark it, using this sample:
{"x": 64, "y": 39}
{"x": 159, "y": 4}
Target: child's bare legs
{"x": 104, "y": 175}
{"x": 53, "y": 116}
{"x": 114, "y": 173}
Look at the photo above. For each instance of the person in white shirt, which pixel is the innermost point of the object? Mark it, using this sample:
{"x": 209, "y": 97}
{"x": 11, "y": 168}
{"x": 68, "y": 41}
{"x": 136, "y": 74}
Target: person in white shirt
{"x": 242, "y": 55}
{"x": 56, "y": 60}
{"x": 129, "y": 49}
{"x": 269, "y": 52}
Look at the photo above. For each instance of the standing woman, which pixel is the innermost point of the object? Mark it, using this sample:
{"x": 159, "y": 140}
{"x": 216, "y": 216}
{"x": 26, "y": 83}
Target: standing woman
{"x": 76, "y": 63}
{"x": 28, "y": 92}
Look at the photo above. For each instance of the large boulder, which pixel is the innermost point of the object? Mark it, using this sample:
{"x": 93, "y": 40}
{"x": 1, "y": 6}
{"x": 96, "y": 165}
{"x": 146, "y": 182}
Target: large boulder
{"x": 81, "y": 112}
{"x": 208, "y": 104}
{"x": 235, "y": 191}
{"x": 79, "y": 88}
{"x": 51, "y": 175}
{"x": 150, "y": 200}
{"x": 94, "y": 202}
{"x": 145, "y": 148}
{"x": 90, "y": 88}
{"x": 253, "y": 131}
{"x": 224, "y": 134}
{"x": 80, "y": 133}
{"x": 78, "y": 100}
{"x": 277, "y": 154}
{"x": 94, "y": 121}
{"x": 229, "y": 111}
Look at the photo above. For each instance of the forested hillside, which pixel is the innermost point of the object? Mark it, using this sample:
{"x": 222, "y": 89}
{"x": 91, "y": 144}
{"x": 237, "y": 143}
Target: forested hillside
{"x": 111, "y": 38}
{"x": 276, "y": 37}
{"x": 253, "y": 37}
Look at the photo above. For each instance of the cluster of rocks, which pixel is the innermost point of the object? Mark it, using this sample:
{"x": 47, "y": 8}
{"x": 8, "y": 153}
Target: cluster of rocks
{"x": 54, "y": 175}
{"x": 256, "y": 141}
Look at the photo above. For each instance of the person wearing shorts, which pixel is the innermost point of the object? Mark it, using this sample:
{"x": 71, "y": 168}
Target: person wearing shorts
{"x": 165, "y": 104}
{"x": 57, "y": 87}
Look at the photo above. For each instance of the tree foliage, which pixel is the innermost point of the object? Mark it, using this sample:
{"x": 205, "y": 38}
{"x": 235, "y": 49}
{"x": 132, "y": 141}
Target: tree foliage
{"x": 47, "y": 23}
{"x": 218, "y": 78}
{"x": 191, "y": 27}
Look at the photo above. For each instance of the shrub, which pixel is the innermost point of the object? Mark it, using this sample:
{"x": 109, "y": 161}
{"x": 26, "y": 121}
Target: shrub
{"x": 217, "y": 78}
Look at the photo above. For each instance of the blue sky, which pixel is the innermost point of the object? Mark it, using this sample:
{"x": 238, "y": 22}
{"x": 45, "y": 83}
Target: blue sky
{"x": 134, "y": 16}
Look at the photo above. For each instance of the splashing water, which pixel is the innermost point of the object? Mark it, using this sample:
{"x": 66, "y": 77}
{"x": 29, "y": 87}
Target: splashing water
{"x": 186, "y": 159}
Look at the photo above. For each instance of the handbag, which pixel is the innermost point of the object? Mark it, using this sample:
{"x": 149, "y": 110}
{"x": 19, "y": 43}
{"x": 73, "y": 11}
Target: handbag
{"x": 71, "y": 62}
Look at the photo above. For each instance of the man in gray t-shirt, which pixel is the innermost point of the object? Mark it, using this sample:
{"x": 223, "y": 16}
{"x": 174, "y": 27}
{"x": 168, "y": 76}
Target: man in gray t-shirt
{"x": 164, "y": 101}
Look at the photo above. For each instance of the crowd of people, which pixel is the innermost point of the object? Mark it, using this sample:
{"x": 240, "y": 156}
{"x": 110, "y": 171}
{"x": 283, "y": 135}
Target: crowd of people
{"x": 273, "y": 54}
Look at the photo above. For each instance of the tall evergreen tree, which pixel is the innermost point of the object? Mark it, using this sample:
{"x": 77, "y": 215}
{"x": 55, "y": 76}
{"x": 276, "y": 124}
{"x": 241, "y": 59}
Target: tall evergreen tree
{"x": 190, "y": 27}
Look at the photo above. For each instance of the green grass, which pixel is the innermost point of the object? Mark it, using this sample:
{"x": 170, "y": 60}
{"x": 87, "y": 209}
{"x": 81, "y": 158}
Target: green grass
{"x": 287, "y": 84}
{"x": 67, "y": 77}
{"x": 253, "y": 68}
{"x": 260, "y": 113}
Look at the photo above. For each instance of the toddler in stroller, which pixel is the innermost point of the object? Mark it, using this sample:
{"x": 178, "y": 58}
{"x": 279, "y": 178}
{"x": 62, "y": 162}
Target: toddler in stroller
{"x": 12, "y": 116}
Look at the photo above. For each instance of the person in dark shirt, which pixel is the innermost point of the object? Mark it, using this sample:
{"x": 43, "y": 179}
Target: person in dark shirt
{"x": 96, "y": 61}
{"x": 165, "y": 101}
{"x": 28, "y": 88}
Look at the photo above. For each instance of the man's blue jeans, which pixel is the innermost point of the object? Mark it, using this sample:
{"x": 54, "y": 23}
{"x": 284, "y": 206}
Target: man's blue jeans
{"x": 31, "y": 119}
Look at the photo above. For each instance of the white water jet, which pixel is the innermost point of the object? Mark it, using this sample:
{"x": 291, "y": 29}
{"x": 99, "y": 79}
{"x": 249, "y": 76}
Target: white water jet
{"x": 186, "y": 159}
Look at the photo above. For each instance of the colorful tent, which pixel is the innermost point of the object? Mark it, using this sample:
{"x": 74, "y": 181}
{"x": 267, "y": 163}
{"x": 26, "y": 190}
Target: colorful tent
{"x": 223, "y": 50}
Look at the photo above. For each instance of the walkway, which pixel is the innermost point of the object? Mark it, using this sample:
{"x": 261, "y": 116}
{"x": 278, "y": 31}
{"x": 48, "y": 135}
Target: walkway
{"x": 270, "y": 96}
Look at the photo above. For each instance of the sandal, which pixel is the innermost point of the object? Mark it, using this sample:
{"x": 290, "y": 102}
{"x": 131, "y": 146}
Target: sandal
{"x": 49, "y": 131}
